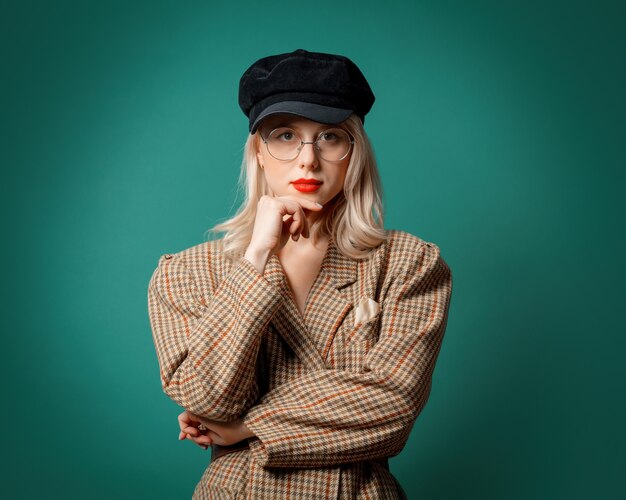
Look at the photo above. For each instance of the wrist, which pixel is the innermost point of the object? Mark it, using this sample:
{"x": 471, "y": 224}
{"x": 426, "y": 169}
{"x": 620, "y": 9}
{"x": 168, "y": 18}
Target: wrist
{"x": 258, "y": 258}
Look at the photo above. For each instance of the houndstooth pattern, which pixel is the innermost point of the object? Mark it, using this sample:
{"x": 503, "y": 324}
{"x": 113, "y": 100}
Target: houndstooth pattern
{"x": 329, "y": 400}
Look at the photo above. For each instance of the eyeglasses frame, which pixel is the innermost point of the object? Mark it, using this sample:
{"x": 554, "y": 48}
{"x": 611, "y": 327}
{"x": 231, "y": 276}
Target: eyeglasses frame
{"x": 302, "y": 143}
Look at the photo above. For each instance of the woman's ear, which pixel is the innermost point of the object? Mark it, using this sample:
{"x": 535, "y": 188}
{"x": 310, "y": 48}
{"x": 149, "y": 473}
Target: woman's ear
{"x": 257, "y": 148}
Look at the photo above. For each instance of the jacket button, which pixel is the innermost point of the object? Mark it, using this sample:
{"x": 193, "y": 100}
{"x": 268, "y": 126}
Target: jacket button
{"x": 168, "y": 256}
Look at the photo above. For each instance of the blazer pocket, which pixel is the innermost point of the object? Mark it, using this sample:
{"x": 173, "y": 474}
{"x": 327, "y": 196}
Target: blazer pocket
{"x": 366, "y": 331}
{"x": 366, "y": 310}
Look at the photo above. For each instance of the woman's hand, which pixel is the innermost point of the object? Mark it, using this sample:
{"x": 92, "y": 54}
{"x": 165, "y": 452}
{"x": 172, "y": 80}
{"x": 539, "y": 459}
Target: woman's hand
{"x": 189, "y": 423}
{"x": 205, "y": 432}
{"x": 271, "y": 232}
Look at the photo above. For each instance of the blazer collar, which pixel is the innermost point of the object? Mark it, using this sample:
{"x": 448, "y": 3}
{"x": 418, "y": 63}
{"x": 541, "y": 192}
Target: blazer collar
{"x": 339, "y": 269}
{"x": 326, "y": 306}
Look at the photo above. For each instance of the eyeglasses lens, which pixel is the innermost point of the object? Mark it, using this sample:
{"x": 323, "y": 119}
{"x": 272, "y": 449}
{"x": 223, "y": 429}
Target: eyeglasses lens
{"x": 284, "y": 144}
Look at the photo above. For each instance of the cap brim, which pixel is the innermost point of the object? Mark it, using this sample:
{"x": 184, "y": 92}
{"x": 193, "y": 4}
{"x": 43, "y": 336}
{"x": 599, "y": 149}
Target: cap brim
{"x": 315, "y": 112}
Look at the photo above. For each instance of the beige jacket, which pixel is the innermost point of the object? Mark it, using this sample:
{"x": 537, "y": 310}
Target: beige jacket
{"x": 329, "y": 396}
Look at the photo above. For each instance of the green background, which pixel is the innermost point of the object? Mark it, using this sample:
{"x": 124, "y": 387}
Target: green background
{"x": 499, "y": 131}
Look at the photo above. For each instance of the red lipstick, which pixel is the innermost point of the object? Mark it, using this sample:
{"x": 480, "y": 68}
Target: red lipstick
{"x": 307, "y": 185}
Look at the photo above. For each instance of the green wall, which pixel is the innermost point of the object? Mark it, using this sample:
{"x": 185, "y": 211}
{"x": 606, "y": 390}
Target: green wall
{"x": 499, "y": 131}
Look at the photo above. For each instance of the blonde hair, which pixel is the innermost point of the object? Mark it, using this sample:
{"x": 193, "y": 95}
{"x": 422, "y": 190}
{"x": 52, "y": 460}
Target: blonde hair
{"x": 356, "y": 221}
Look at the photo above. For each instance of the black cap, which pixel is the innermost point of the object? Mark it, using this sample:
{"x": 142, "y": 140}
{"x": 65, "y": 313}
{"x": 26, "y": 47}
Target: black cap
{"x": 325, "y": 88}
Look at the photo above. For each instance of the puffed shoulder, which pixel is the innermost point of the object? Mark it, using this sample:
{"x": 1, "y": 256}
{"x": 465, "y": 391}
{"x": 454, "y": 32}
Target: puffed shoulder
{"x": 204, "y": 262}
{"x": 197, "y": 253}
{"x": 191, "y": 277}
{"x": 173, "y": 281}
{"x": 409, "y": 255}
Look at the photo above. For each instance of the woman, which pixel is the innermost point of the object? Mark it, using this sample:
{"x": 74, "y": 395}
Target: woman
{"x": 302, "y": 344}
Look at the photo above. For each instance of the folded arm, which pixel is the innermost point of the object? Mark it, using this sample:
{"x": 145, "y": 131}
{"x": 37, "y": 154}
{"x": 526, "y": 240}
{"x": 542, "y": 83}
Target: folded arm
{"x": 207, "y": 347}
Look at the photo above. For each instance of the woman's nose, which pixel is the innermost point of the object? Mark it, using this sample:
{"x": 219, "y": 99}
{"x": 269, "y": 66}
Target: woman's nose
{"x": 308, "y": 155}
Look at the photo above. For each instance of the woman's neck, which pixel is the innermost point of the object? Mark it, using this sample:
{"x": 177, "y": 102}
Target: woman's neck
{"x": 305, "y": 246}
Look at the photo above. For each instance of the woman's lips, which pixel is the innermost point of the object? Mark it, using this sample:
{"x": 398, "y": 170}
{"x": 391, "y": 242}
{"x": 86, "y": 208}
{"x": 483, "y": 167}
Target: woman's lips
{"x": 307, "y": 187}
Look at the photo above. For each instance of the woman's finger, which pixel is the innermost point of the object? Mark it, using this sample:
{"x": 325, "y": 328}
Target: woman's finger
{"x": 204, "y": 445}
{"x": 294, "y": 232}
{"x": 191, "y": 431}
{"x": 303, "y": 202}
{"x": 304, "y": 228}
{"x": 299, "y": 222}
{"x": 292, "y": 205}
{"x": 290, "y": 226}
{"x": 296, "y": 222}
{"x": 303, "y": 205}
{"x": 201, "y": 440}
{"x": 184, "y": 419}
{"x": 304, "y": 231}
{"x": 182, "y": 423}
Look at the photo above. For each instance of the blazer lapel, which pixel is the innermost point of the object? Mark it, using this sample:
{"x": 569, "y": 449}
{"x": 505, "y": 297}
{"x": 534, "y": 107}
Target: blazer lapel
{"x": 326, "y": 306}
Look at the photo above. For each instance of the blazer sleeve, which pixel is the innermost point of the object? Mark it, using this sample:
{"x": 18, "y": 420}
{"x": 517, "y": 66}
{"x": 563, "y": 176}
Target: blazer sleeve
{"x": 207, "y": 347}
{"x": 331, "y": 417}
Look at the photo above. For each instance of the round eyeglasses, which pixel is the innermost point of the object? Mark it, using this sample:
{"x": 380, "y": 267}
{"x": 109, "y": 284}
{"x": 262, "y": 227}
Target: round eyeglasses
{"x": 285, "y": 144}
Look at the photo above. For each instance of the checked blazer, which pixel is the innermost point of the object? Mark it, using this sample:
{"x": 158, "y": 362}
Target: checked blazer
{"x": 329, "y": 399}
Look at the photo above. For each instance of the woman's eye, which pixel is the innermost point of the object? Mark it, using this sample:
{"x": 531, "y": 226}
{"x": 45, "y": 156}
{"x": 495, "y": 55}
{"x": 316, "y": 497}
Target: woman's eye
{"x": 285, "y": 136}
{"x": 329, "y": 137}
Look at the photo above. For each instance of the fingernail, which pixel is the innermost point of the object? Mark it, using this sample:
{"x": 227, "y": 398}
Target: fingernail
{"x": 319, "y": 204}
